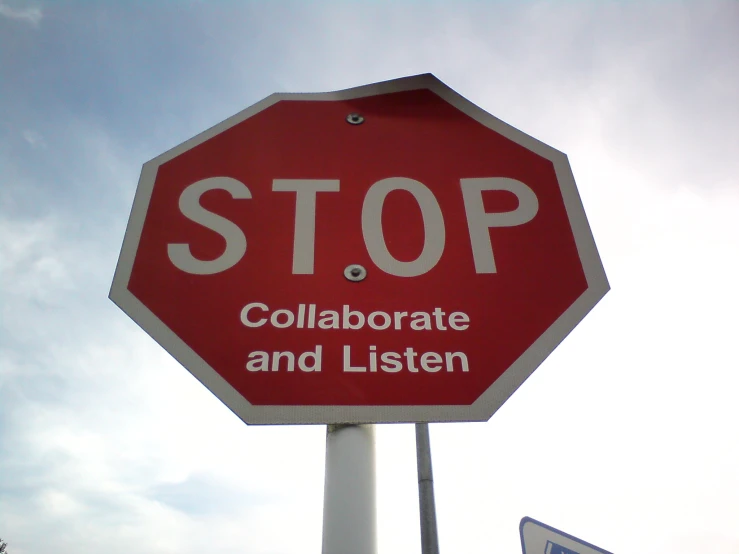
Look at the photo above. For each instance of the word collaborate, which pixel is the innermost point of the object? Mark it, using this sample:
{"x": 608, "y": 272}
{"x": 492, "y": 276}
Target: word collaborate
{"x": 257, "y": 314}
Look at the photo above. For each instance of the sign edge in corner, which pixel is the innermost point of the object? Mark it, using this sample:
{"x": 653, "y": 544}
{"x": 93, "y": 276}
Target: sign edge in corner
{"x": 527, "y": 519}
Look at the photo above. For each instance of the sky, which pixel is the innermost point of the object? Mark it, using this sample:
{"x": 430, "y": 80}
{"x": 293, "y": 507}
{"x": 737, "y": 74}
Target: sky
{"x": 624, "y": 437}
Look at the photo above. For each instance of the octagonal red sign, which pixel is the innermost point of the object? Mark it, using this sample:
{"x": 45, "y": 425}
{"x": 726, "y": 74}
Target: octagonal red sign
{"x": 385, "y": 253}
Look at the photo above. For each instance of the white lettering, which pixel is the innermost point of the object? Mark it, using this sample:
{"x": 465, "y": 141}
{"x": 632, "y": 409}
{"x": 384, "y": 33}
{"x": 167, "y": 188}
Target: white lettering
{"x": 372, "y": 320}
{"x": 478, "y": 221}
{"x": 429, "y": 358}
{"x": 461, "y": 356}
{"x": 374, "y": 238}
{"x": 348, "y": 315}
{"x": 245, "y": 314}
{"x": 439, "y": 317}
{"x": 348, "y": 364}
{"x": 399, "y": 317}
{"x": 329, "y": 320}
{"x": 289, "y": 360}
{"x": 373, "y": 359}
{"x": 304, "y": 237}
{"x": 459, "y": 321}
{"x": 391, "y": 362}
{"x": 410, "y": 356}
{"x": 420, "y": 321}
{"x": 258, "y": 361}
{"x": 316, "y": 356}
{"x": 258, "y": 314}
{"x": 180, "y": 254}
{"x": 394, "y": 362}
{"x": 275, "y": 319}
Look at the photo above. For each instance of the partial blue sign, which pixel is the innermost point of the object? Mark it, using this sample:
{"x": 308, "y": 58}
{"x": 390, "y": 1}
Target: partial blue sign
{"x": 539, "y": 538}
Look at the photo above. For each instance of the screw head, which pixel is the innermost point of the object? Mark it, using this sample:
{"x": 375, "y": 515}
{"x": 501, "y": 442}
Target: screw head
{"x": 355, "y": 273}
{"x": 355, "y": 119}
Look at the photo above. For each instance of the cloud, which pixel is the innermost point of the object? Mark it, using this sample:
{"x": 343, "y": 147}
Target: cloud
{"x": 32, "y": 268}
{"x": 31, "y": 14}
{"x": 34, "y": 139}
{"x": 621, "y": 66}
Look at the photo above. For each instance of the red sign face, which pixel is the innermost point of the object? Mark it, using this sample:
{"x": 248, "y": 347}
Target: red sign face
{"x": 388, "y": 253}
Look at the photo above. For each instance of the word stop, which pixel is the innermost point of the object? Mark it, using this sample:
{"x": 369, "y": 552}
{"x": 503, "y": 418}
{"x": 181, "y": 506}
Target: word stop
{"x": 306, "y": 195}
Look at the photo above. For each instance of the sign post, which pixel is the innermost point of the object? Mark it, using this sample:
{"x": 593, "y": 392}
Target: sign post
{"x": 349, "y": 500}
{"x": 386, "y": 253}
{"x": 426, "y": 502}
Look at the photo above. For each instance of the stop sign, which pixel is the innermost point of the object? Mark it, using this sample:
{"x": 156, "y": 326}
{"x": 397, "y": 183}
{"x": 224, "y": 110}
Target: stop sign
{"x": 385, "y": 253}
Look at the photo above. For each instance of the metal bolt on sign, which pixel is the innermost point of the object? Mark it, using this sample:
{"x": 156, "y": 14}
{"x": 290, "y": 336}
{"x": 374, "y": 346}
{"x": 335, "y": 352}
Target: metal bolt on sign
{"x": 355, "y": 119}
{"x": 355, "y": 272}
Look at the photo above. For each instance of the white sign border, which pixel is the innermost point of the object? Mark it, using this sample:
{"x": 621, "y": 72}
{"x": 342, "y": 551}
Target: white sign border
{"x": 490, "y": 401}
{"x": 557, "y": 532}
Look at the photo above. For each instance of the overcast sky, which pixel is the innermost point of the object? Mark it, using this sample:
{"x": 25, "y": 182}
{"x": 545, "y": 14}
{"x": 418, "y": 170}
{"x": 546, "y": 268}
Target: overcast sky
{"x": 625, "y": 437}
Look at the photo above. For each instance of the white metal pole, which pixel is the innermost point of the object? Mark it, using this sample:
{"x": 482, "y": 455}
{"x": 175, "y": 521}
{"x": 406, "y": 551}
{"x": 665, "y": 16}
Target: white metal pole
{"x": 349, "y": 501}
{"x": 426, "y": 503}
